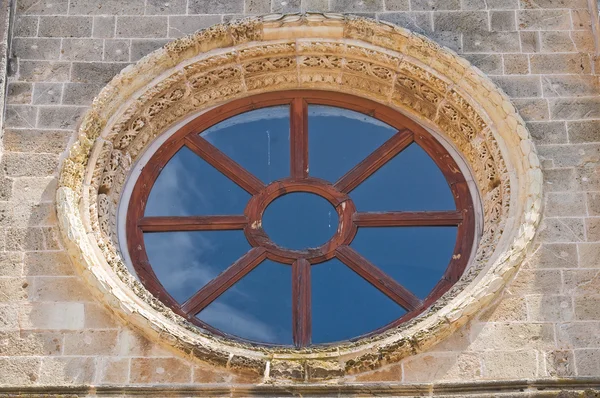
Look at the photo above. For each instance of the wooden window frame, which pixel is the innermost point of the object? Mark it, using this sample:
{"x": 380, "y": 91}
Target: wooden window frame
{"x": 263, "y": 247}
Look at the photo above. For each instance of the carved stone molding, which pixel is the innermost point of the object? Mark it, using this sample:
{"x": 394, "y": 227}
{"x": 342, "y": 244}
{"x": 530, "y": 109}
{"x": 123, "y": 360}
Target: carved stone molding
{"x": 384, "y": 63}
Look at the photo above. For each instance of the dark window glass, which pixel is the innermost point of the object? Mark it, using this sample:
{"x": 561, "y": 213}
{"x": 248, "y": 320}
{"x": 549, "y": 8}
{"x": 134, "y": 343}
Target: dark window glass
{"x": 258, "y": 140}
{"x": 300, "y": 220}
{"x": 189, "y": 186}
{"x": 258, "y": 307}
{"x": 416, "y": 257}
{"x": 186, "y": 261}
{"x": 344, "y": 305}
{"x": 411, "y": 181}
{"x": 338, "y": 139}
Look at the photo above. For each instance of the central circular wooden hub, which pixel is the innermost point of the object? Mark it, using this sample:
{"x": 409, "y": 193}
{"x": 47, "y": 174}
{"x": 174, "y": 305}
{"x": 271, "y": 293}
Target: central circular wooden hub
{"x": 313, "y": 220}
{"x": 344, "y": 209}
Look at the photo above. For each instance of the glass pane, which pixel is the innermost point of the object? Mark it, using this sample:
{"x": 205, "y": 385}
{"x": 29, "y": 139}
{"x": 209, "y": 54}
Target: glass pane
{"x": 414, "y": 256}
{"x": 258, "y": 140}
{"x": 186, "y": 261}
{"x": 188, "y": 186}
{"x": 338, "y": 139}
{"x": 344, "y": 305}
{"x": 258, "y": 307}
{"x": 411, "y": 181}
{"x": 300, "y": 220}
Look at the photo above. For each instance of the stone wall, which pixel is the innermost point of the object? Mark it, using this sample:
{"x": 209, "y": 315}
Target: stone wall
{"x": 541, "y": 53}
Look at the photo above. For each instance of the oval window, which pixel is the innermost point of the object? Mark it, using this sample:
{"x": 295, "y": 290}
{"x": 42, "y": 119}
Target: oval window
{"x": 299, "y": 218}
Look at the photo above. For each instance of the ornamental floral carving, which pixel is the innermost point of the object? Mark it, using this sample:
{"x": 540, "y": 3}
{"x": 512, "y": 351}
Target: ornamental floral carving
{"x": 352, "y": 55}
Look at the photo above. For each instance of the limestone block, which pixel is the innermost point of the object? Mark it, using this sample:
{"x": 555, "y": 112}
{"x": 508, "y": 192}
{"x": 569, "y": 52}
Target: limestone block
{"x": 177, "y": 7}
{"x": 62, "y": 26}
{"x": 546, "y": 308}
{"x": 106, "y": 7}
{"x": 565, "y": 203}
{"x": 442, "y": 366}
{"x": 44, "y": 71}
{"x": 19, "y": 93}
{"x": 516, "y": 64}
{"x": 82, "y": 49}
{"x": 19, "y": 371}
{"x": 142, "y": 27}
{"x": 578, "y": 335}
{"x": 159, "y": 370}
{"x": 587, "y": 308}
{"x": 214, "y": 7}
{"x": 67, "y": 316}
{"x": 60, "y": 117}
{"x": 67, "y": 370}
{"x": 584, "y": 131}
{"x": 559, "y": 363}
{"x": 91, "y": 342}
{"x": 104, "y": 26}
{"x": 111, "y": 370}
{"x": 560, "y": 63}
{"x": 554, "y": 255}
{"x": 509, "y": 365}
{"x": 511, "y": 336}
{"x": 42, "y": 7}
{"x": 29, "y": 343}
{"x": 544, "y": 19}
{"x": 12, "y": 289}
{"x": 588, "y": 362}
{"x": 589, "y": 255}
{"x": 36, "y": 48}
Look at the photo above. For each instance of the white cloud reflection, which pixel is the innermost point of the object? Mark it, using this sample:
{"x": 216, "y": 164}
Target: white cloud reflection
{"x": 186, "y": 261}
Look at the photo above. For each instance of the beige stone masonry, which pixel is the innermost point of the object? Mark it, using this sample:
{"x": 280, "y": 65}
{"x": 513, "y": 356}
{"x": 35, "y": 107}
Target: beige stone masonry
{"x": 385, "y": 63}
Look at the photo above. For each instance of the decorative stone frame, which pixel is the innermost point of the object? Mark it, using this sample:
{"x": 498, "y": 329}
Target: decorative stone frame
{"x": 384, "y": 63}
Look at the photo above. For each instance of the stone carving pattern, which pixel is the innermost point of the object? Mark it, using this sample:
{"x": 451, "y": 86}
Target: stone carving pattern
{"x": 395, "y": 80}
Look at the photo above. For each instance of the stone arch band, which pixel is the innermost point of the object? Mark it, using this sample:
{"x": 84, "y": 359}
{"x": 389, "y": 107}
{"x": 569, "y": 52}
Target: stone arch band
{"x": 386, "y": 64}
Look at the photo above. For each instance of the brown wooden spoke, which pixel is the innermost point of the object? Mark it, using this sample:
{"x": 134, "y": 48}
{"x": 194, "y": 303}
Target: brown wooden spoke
{"x": 301, "y": 305}
{"x": 224, "y": 281}
{"x": 375, "y": 161}
{"x": 224, "y": 164}
{"x": 408, "y": 219}
{"x": 299, "y": 138}
{"x": 378, "y": 278}
{"x": 192, "y": 223}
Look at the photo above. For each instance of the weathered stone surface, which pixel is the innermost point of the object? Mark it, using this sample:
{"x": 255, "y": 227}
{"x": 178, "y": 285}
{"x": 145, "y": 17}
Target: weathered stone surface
{"x": 516, "y": 64}
{"x": 47, "y": 93}
{"x": 548, "y": 308}
{"x": 588, "y": 362}
{"x": 589, "y": 255}
{"x": 19, "y": 93}
{"x": 503, "y": 21}
{"x": 110, "y": 7}
{"x": 509, "y": 365}
{"x": 60, "y": 316}
{"x": 67, "y": 370}
{"x": 84, "y": 78}
{"x": 441, "y": 366}
{"x": 19, "y": 371}
{"x": 555, "y": 255}
{"x": 36, "y": 48}
{"x": 104, "y": 26}
{"x": 560, "y": 63}
{"x": 82, "y": 49}
{"x": 184, "y": 25}
{"x": 520, "y": 86}
{"x": 140, "y": 27}
{"x": 91, "y": 342}
{"x": 159, "y": 370}
{"x": 584, "y": 131}
{"x": 544, "y": 19}
{"x": 59, "y": 26}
